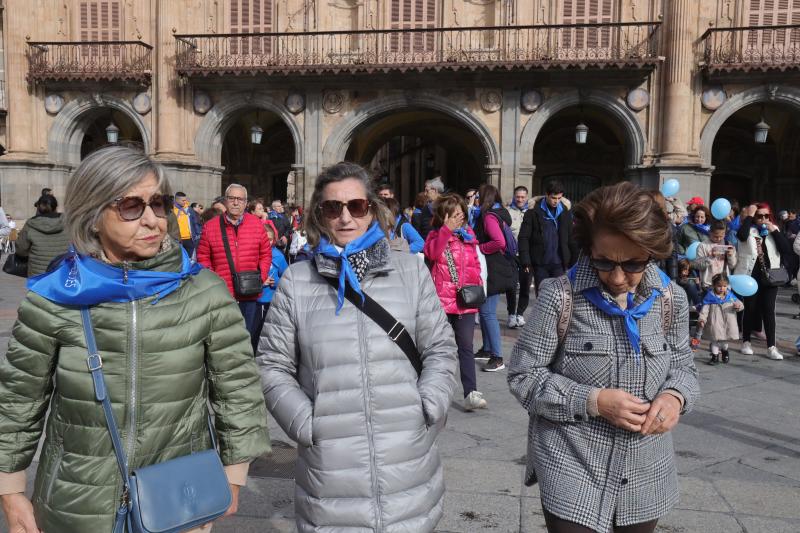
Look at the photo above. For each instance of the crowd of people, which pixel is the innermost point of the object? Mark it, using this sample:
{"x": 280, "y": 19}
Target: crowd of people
{"x": 351, "y": 322}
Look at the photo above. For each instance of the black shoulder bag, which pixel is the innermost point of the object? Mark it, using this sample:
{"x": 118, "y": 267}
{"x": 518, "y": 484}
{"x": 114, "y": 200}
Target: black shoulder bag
{"x": 394, "y": 328}
{"x": 245, "y": 283}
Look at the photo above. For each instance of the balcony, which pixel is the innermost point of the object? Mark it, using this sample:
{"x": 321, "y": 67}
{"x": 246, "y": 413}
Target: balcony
{"x": 127, "y": 61}
{"x": 580, "y": 46}
{"x": 751, "y": 49}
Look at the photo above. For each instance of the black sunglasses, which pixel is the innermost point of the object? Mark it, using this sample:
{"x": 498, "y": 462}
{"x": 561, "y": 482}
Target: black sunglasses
{"x": 132, "y": 207}
{"x": 631, "y": 267}
{"x": 357, "y": 208}
{"x": 761, "y": 215}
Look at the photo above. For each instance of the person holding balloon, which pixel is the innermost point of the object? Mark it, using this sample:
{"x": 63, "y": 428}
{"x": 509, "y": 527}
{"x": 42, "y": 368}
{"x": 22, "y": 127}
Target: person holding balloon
{"x": 696, "y": 230}
{"x": 762, "y": 247}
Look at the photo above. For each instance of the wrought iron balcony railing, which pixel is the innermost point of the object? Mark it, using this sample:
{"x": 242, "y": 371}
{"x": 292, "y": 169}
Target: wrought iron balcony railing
{"x": 617, "y": 45}
{"x": 90, "y": 60}
{"x": 751, "y": 48}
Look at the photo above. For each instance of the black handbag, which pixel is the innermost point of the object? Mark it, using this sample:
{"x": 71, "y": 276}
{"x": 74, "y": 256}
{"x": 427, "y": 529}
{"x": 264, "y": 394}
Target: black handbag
{"x": 774, "y": 277}
{"x": 16, "y": 266}
{"x": 247, "y": 282}
{"x": 471, "y": 296}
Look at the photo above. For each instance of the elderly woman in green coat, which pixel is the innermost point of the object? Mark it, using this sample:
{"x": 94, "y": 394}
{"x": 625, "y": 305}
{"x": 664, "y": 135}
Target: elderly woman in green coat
{"x": 172, "y": 342}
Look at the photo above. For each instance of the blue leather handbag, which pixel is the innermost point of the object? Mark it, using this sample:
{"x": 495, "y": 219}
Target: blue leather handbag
{"x": 169, "y": 497}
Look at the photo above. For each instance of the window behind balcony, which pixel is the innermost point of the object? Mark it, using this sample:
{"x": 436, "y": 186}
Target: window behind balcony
{"x": 587, "y": 12}
{"x": 251, "y": 16}
{"x": 100, "y": 21}
{"x": 412, "y": 14}
{"x": 773, "y": 13}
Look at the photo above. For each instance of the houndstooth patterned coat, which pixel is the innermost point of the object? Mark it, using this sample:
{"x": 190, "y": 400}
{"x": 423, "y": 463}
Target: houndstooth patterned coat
{"x": 589, "y": 471}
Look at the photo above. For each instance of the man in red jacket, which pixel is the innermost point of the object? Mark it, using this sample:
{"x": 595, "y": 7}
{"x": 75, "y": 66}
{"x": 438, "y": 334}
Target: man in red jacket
{"x": 249, "y": 247}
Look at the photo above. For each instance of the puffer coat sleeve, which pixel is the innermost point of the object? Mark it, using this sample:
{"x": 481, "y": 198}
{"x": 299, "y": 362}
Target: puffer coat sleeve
{"x": 279, "y": 360}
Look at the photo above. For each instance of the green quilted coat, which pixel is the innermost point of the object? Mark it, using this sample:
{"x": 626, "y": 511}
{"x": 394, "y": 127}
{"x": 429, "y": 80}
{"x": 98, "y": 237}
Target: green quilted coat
{"x": 42, "y": 239}
{"x": 163, "y": 364}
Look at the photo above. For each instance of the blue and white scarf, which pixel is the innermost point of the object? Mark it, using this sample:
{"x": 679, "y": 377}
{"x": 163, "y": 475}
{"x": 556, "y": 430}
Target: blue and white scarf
{"x": 548, "y": 215}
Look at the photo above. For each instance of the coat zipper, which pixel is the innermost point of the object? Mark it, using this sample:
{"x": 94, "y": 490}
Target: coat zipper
{"x": 54, "y": 471}
{"x": 132, "y": 367}
{"x": 370, "y": 436}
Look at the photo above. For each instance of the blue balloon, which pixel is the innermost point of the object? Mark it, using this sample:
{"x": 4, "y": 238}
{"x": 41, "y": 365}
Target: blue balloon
{"x": 691, "y": 251}
{"x": 670, "y": 187}
{"x": 721, "y": 208}
{"x": 743, "y": 285}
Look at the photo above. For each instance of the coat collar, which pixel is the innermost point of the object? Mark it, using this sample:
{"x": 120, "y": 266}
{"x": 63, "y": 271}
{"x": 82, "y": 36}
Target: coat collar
{"x": 586, "y": 277}
{"x": 378, "y": 261}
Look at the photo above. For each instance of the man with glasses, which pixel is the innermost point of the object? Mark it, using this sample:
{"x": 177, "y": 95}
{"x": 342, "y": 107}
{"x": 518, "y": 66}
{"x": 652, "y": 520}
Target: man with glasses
{"x": 517, "y": 303}
{"x": 249, "y": 249}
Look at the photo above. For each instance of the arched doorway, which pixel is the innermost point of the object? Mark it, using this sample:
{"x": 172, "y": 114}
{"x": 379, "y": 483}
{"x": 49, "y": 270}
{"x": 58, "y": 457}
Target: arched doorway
{"x": 580, "y": 167}
{"x": 96, "y": 136}
{"x": 262, "y": 167}
{"x": 406, "y": 148}
{"x": 745, "y": 170}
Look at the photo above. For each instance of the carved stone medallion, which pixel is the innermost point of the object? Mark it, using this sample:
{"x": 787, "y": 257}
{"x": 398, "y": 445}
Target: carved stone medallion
{"x": 332, "y": 101}
{"x": 638, "y": 99}
{"x": 142, "y": 103}
{"x": 531, "y": 100}
{"x": 491, "y": 101}
{"x": 202, "y": 102}
{"x": 713, "y": 97}
{"x": 295, "y": 102}
{"x": 53, "y": 103}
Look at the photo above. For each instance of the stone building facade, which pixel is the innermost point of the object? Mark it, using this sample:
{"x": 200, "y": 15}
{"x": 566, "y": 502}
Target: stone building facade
{"x": 472, "y": 90}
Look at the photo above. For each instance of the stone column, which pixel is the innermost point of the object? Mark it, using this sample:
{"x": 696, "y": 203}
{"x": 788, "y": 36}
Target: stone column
{"x": 168, "y": 92}
{"x": 312, "y": 144}
{"x": 509, "y": 141}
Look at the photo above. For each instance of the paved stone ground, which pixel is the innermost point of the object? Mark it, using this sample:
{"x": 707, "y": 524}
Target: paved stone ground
{"x": 738, "y": 453}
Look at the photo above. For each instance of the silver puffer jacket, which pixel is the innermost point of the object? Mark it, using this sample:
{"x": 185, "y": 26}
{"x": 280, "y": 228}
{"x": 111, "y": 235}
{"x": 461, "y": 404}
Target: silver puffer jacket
{"x": 338, "y": 385}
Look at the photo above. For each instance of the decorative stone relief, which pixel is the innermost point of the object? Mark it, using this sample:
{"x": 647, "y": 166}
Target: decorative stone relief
{"x": 713, "y": 97}
{"x": 142, "y": 103}
{"x": 53, "y": 103}
{"x": 531, "y": 100}
{"x": 295, "y": 102}
{"x": 202, "y": 102}
{"x": 491, "y": 101}
{"x": 332, "y": 101}
{"x": 638, "y": 99}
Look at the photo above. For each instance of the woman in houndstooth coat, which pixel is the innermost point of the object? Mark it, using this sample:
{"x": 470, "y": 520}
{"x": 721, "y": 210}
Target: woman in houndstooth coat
{"x": 605, "y": 370}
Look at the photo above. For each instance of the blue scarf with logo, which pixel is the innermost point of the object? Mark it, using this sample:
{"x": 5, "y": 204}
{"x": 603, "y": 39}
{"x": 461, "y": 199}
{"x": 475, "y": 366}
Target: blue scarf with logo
{"x": 346, "y": 273}
{"x": 463, "y": 234}
{"x": 82, "y": 280}
{"x": 712, "y": 299}
{"x": 549, "y": 215}
{"x": 702, "y": 228}
{"x": 632, "y": 314}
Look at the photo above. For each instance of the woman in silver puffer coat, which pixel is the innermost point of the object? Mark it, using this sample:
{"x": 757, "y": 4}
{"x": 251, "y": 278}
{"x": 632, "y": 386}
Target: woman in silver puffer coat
{"x": 365, "y": 423}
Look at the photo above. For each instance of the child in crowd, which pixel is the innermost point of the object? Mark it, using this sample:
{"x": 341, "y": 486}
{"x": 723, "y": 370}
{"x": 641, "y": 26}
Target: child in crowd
{"x": 718, "y": 318}
{"x": 688, "y": 283}
{"x": 714, "y": 257}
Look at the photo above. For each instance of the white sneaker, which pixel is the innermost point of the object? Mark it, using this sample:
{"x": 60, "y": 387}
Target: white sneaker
{"x": 474, "y": 400}
{"x": 512, "y": 321}
{"x": 747, "y": 349}
{"x": 774, "y": 354}
{"x": 520, "y": 321}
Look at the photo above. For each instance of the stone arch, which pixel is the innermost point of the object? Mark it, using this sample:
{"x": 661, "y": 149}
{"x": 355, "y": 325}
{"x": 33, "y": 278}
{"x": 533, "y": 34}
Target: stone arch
{"x": 336, "y": 146}
{"x": 211, "y": 134}
{"x": 69, "y": 127}
{"x": 764, "y": 94}
{"x": 635, "y": 142}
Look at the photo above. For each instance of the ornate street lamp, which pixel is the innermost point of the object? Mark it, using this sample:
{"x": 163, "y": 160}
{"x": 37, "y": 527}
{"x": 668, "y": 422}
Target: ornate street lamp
{"x": 581, "y": 133}
{"x": 112, "y": 133}
{"x": 761, "y": 131}
{"x": 255, "y": 134}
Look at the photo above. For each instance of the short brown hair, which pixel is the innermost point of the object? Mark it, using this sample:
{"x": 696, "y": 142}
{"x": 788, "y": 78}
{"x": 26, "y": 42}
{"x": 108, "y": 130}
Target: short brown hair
{"x": 623, "y": 209}
{"x": 446, "y": 204}
{"x": 705, "y": 210}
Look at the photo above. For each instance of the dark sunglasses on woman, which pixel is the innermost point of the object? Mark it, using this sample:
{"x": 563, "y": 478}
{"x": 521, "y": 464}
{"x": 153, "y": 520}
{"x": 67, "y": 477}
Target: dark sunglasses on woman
{"x": 132, "y": 207}
{"x": 357, "y": 208}
{"x": 631, "y": 267}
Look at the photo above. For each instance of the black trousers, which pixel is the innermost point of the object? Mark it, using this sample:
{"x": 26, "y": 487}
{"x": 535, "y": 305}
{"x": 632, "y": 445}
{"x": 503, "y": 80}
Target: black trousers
{"x": 464, "y": 329}
{"x": 558, "y": 525}
{"x": 517, "y": 301}
{"x": 759, "y": 308}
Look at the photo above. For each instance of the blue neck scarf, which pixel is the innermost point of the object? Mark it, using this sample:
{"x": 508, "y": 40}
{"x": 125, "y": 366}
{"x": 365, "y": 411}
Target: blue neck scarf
{"x": 396, "y": 228}
{"x": 346, "y": 273}
{"x": 474, "y": 213}
{"x": 513, "y": 205}
{"x": 712, "y": 299}
{"x": 548, "y": 215}
{"x": 462, "y": 234}
{"x": 632, "y": 314}
{"x": 702, "y": 228}
{"x": 82, "y": 280}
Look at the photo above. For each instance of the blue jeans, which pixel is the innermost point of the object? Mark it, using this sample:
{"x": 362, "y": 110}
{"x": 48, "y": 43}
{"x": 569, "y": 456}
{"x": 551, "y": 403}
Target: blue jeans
{"x": 490, "y": 326}
{"x": 253, "y": 321}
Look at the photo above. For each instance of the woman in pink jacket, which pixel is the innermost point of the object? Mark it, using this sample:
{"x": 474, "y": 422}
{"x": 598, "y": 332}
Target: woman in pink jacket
{"x": 452, "y": 249}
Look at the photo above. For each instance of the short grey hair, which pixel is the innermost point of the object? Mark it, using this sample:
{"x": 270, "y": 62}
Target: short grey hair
{"x": 235, "y": 186}
{"x": 436, "y": 184}
{"x": 314, "y": 224}
{"x": 102, "y": 177}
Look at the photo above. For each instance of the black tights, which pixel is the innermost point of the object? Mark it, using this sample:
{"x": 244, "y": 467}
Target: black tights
{"x": 558, "y": 525}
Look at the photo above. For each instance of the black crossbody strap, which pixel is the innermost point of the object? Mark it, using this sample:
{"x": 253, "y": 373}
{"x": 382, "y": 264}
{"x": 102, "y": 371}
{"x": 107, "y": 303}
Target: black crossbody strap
{"x": 394, "y": 328}
{"x": 226, "y": 245}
